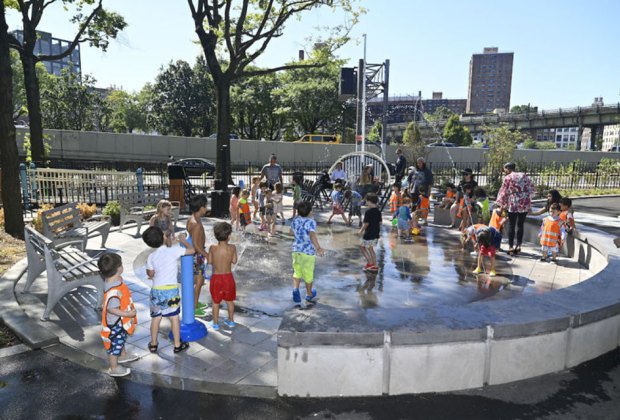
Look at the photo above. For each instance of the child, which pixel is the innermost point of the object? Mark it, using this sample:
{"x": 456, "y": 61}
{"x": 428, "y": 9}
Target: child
{"x": 277, "y": 198}
{"x": 162, "y": 267}
{"x": 234, "y": 207}
{"x": 551, "y": 234}
{"x": 566, "y": 214}
{"x": 403, "y": 214}
{"x": 163, "y": 220}
{"x": 482, "y": 205}
{"x": 270, "y": 217}
{"x": 245, "y": 216}
{"x": 423, "y": 206}
{"x": 198, "y": 208}
{"x": 253, "y": 194}
{"x": 396, "y": 200}
{"x": 337, "y": 204}
{"x": 355, "y": 205}
{"x": 305, "y": 247}
{"x": 222, "y": 287}
{"x": 262, "y": 189}
{"x": 469, "y": 235}
{"x": 118, "y": 318}
{"x": 450, "y": 197}
{"x": 499, "y": 218}
{"x": 488, "y": 241}
{"x": 371, "y": 230}
{"x": 465, "y": 207}
{"x": 296, "y": 195}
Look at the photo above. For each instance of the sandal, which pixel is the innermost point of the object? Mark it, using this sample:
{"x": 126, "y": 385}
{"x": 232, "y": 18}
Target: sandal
{"x": 183, "y": 346}
{"x": 153, "y": 348}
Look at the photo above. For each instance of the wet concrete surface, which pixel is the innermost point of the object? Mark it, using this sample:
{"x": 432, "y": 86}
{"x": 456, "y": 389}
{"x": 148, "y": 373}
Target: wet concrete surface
{"x": 38, "y": 385}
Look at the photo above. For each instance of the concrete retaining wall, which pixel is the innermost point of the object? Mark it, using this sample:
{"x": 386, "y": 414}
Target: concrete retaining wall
{"x": 66, "y": 144}
{"x": 436, "y": 349}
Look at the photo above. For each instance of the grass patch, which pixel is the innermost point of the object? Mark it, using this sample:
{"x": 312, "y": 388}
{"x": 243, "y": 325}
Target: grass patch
{"x": 593, "y": 191}
{"x": 11, "y": 251}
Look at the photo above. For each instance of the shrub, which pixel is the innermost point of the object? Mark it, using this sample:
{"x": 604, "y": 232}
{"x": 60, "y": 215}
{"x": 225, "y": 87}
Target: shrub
{"x": 113, "y": 209}
{"x": 37, "y": 222}
{"x": 1, "y": 217}
{"x": 87, "y": 211}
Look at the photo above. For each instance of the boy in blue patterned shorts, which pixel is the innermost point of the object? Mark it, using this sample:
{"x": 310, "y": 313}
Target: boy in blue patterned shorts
{"x": 162, "y": 267}
{"x": 305, "y": 247}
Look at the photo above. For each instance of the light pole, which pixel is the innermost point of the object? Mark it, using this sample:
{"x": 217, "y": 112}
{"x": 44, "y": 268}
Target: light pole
{"x": 363, "y": 130}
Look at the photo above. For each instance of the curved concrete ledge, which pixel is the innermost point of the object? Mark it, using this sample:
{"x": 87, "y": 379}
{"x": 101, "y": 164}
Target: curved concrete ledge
{"x": 332, "y": 352}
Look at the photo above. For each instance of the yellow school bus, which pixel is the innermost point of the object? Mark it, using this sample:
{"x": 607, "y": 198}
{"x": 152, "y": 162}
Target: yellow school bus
{"x": 320, "y": 139}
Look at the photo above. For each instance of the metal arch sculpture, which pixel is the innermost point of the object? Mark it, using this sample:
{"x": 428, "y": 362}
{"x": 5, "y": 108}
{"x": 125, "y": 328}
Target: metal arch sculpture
{"x": 353, "y": 163}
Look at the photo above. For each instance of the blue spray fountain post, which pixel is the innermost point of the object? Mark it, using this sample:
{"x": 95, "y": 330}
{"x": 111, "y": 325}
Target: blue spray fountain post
{"x": 191, "y": 330}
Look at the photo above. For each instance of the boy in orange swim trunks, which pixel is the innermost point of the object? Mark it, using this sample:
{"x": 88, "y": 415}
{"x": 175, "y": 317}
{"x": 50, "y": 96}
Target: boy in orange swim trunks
{"x": 222, "y": 256}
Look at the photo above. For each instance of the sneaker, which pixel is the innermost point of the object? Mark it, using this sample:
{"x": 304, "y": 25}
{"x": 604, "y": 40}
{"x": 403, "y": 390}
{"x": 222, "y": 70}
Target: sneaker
{"x": 128, "y": 357}
{"x": 231, "y": 324}
{"x": 373, "y": 268}
{"x": 200, "y": 313}
{"x": 202, "y": 306}
{"x": 478, "y": 270}
{"x": 119, "y": 371}
{"x": 492, "y": 273}
{"x": 312, "y": 296}
{"x": 296, "y": 296}
{"x": 214, "y": 326}
{"x": 367, "y": 267}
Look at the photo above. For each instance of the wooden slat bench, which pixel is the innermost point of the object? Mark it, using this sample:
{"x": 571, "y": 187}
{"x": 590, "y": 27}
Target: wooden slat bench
{"x": 67, "y": 268}
{"x": 64, "y": 223}
{"x": 132, "y": 207}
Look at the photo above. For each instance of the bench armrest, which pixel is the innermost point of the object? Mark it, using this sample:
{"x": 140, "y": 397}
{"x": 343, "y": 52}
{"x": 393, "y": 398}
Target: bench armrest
{"x": 100, "y": 217}
{"x": 136, "y": 209}
{"x": 68, "y": 243}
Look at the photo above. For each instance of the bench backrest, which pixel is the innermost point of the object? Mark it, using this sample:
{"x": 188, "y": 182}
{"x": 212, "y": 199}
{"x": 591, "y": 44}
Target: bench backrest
{"x": 60, "y": 218}
{"x": 143, "y": 198}
{"x": 35, "y": 242}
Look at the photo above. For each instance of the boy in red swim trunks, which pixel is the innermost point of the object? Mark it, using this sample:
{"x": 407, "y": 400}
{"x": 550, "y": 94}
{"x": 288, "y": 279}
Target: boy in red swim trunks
{"x": 222, "y": 256}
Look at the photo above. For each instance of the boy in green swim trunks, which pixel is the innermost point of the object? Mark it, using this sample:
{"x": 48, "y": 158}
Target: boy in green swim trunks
{"x": 305, "y": 247}
{"x": 198, "y": 208}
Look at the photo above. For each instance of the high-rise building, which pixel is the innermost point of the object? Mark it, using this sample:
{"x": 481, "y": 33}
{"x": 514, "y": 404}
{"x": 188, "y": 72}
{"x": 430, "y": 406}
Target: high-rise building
{"x": 611, "y": 137}
{"x": 490, "y": 81}
{"x": 48, "y": 45}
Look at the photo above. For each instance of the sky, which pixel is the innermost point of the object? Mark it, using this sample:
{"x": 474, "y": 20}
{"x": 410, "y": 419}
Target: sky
{"x": 566, "y": 52}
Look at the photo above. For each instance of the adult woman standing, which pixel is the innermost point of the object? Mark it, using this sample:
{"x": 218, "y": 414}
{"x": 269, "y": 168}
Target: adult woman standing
{"x": 467, "y": 178}
{"x": 515, "y": 196}
{"x": 553, "y": 196}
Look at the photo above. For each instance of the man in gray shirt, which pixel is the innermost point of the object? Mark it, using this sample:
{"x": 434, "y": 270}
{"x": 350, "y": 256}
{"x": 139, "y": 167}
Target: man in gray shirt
{"x": 272, "y": 172}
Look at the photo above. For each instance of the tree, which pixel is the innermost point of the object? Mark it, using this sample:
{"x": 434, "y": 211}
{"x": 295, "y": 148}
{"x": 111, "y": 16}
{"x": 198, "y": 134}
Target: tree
{"x": 95, "y": 27}
{"x": 126, "y": 113}
{"x": 502, "y": 143}
{"x": 233, "y": 37}
{"x": 257, "y": 107}
{"x": 309, "y": 97}
{"x": 11, "y": 194}
{"x": 523, "y": 109}
{"x": 374, "y": 135}
{"x": 442, "y": 113}
{"x": 182, "y": 101}
{"x": 71, "y": 102}
{"x": 454, "y": 132}
{"x": 416, "y": 146}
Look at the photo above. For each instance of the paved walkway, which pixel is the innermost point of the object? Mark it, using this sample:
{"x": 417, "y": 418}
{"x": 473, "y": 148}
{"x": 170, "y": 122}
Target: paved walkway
{"x": 239, "y": 361}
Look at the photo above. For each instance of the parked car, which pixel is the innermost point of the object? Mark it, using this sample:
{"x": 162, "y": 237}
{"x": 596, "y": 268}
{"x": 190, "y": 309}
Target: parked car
{"x": 442, "y": 144}
{"x": 232, "y": 136}
{"x": 196, "y": 166}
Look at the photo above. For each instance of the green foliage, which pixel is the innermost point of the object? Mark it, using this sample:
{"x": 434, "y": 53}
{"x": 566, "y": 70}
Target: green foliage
{"x": 255, "y": 108}
{"x": 415, "y": 144}
{"x": 47, "y": 147}
{"x": 126, "y": 112}
{"x": 523, "y": 109}
{"x": 113, "y": 209}
{"x": 502, "y": 143}
{"x": 374, "y": 134}
{"x": 442, "y": 113}
{"x": 530, "y": 143}
{"x": 455, "y": 133}
{"x": 71, "y": 102}
{"x": 182, "y": 100}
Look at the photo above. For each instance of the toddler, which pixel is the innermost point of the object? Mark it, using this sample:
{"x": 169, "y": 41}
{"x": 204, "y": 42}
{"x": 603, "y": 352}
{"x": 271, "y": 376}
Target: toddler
{"x": 337, "y": 204}
{"x": 404, "y": 218}
{"x": 245, "y": 216}
{"x": 566, "y": 214}
{"x": 355, "y": 205}
{"x": 254, "y": 193}
{"x": 396, "y": 200}
{"x": 270, "y": 216}
{"x": 234, "y": 207}
{"x": 371, "y": 230}
{"x": 277, "y": 198}
{"x": 163, "y": 220}
{"x": 261, "y": 193}
{"x": 551, "y": 234}
{"x": 198, "y": 208}
{"x": 450, "y": 196}
{"x": 487, "y": 241}
{"x": 222, "y": 287}
{"x": 423, "y": 206}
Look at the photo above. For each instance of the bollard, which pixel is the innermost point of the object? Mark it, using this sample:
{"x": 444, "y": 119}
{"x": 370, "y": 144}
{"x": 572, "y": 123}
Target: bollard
{"x": 140, "y": 179}
{"x": 191, "y": 330}
{"x": 24, "y": 181}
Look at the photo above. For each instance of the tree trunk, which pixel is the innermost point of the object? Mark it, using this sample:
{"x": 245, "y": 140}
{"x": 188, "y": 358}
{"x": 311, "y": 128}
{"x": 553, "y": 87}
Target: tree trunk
{"x": 222, "y": 96}
{"x": 33, "y": 97}
{"x": 11, "y": 194}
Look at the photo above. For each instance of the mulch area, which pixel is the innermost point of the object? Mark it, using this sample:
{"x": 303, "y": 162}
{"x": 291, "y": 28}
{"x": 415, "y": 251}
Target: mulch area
{"x": 11, "y": 251}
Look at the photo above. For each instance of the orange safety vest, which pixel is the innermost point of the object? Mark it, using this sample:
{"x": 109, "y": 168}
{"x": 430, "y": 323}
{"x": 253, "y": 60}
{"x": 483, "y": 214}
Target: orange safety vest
{"x": 551, "y": 232}
{"x": 424, "y": 207}
{"x": 497, "y": 221}
{"x": 244, "y": 208}
{"x": 396, "y": 201}
{"x": 123, "y": 293}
